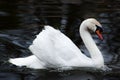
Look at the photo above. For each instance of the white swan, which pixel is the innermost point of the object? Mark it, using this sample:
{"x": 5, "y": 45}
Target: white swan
{"x": 52, "y": 49}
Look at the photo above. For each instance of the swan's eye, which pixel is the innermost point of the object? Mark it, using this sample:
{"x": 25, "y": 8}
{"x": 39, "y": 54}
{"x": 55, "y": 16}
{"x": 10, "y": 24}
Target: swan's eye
{"x": 99, "y": 28}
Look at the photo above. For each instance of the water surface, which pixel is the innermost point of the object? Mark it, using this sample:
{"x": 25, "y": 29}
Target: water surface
{"x": 21, "y": 20}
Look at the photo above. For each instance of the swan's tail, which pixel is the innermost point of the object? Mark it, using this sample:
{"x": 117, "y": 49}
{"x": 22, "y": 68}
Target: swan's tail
{"x": 29, "y": 62}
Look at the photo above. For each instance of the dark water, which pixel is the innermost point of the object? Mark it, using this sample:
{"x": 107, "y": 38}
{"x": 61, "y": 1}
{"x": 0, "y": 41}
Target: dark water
{"x": 21, "y": 20}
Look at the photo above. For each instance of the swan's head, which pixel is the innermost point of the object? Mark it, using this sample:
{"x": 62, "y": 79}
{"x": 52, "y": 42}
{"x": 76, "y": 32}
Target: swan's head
{"x": 95, "y": 26}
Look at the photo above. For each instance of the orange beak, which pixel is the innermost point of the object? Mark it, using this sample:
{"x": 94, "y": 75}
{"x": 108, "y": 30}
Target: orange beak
{"x": 99, "y": 34}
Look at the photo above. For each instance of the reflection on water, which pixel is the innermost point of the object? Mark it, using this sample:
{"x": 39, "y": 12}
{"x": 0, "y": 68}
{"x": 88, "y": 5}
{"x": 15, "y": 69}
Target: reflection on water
{"x": 21, "y": 20}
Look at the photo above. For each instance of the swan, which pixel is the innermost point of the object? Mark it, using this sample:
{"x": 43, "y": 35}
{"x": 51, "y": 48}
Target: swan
{"x": 52, "y": 49}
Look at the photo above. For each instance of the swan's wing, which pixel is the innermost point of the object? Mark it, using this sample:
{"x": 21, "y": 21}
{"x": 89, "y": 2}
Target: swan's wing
{"x": 54, "y": 48}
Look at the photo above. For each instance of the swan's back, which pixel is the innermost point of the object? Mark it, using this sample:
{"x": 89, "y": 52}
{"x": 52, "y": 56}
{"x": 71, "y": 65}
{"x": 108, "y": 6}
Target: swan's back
{"x": 56, "y": 50}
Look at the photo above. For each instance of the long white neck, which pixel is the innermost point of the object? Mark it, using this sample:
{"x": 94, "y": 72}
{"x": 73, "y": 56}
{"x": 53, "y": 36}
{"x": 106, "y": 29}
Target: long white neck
{"x": 95, "y": 53}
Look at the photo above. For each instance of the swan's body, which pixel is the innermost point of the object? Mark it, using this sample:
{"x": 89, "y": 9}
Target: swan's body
{"x": 53, "y": 49}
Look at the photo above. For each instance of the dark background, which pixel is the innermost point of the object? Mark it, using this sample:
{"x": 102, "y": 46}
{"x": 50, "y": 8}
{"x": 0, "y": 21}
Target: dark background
{"x": 21, "y": 20}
